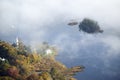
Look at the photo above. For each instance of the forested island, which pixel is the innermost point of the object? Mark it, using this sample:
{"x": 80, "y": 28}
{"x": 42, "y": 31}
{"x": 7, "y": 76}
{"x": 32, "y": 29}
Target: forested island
{"x": 19, "y": 62}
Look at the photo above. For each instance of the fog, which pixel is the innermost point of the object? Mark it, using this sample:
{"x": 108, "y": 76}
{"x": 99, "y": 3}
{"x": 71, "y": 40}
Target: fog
{"x": 35, "y": 21}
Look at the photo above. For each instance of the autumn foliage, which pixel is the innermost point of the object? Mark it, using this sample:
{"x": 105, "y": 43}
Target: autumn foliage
{"x": 19, "y": 64}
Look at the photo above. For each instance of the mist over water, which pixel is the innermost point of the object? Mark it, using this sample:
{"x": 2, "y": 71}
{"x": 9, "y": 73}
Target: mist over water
{"x": 35, "y": 21}
{"x": 96, "y": 59}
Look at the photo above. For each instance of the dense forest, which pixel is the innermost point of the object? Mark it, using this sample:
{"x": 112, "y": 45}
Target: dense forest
{"x": 19, "y": 62}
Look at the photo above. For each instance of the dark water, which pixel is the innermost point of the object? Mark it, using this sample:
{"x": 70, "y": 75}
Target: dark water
{"x": 97, "y": 65}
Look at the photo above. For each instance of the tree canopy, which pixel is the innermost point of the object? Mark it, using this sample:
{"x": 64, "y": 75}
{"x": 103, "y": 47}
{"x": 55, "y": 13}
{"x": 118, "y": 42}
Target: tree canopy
{"x": 89, "y": 26}
{"x": 19, "y": 65}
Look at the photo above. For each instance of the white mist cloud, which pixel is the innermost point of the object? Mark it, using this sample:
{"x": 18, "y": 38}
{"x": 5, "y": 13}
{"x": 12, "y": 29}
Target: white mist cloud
{"x": 38, "y": 20}
{"x": 35, "y": 18}
{"x": 113, "y": 42}
{"x": 46, "y": 20}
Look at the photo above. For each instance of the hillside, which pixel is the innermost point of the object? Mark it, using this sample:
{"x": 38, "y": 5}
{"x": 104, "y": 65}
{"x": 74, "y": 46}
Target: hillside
{"x": 19, "y": 63}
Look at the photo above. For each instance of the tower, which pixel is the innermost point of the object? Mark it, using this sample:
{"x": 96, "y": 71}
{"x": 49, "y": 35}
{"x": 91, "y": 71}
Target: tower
{"x": 17, "y": 41}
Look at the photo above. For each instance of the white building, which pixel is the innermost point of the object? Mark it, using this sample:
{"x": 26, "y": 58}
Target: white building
{"x": 48, "y": 51}
{"x": 2, "y": 59}
{"x": 17, "y": 41}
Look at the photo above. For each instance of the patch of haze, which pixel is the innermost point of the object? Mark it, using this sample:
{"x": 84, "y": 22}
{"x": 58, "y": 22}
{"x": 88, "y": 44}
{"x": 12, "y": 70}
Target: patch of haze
{"x": 36, "y": 21}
